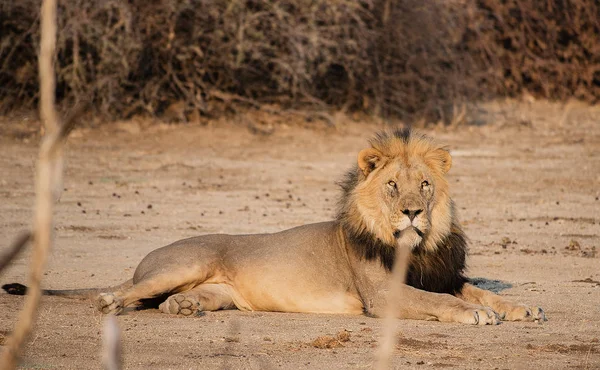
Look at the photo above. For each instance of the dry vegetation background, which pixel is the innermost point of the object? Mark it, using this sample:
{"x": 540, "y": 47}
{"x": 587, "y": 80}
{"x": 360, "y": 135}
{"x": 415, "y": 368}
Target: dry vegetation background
{"x": 405, "y": 59}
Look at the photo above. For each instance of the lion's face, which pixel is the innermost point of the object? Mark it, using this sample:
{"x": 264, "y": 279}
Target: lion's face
{"x": 402, "y": 187}
{"x": 407, "y": 192}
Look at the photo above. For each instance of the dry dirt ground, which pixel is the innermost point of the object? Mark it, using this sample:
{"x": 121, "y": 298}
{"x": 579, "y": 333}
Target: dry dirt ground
{"x": 526, "y": 181}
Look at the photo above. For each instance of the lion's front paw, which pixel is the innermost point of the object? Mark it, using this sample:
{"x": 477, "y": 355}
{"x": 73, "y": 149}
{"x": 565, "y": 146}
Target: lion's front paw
{"x": 109, "y": 303}
{"x": 485, "y": 316}
{"x": 179, "y": 304}
{"x": 521, "y": 312}
{"x": 476, "y": 315}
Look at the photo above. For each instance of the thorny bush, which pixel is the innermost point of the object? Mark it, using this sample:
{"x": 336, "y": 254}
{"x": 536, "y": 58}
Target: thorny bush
{"x": 405, "y": 58}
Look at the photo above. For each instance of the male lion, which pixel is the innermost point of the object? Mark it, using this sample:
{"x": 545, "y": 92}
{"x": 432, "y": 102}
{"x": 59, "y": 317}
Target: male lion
{"x": 397, "y": 189}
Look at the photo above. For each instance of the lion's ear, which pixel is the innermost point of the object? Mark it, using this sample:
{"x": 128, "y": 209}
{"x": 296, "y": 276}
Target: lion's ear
{"x": 444, "y": 158}
{"x": 369, "y": 159}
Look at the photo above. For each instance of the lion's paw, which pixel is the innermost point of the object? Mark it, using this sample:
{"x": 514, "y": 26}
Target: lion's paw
{"x": 478, "y": 315}
{"x": 486, "y": 316}
{"x": 524, "y": 313}
{"x": 109, "y": 303}
{"x": 180, "y": 304}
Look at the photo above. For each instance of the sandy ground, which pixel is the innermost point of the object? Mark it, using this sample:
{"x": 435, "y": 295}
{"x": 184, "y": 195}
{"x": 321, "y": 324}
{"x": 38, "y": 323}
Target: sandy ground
{"x": 526, "y": 183}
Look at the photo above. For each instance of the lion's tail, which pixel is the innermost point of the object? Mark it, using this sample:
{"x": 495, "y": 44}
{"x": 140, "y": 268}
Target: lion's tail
{"x": 20, "y": 289}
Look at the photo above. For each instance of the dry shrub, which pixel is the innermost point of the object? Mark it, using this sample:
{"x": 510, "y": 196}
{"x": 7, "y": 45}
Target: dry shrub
{"x": 549, "y": 48}
{"x": 95, "y": 48}
{"x": 403, "y": 59}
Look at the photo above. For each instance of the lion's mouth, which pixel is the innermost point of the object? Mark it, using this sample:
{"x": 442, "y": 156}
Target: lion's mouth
{"x": 398, "y": 232}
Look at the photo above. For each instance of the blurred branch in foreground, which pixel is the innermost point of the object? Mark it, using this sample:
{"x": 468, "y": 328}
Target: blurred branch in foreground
{"x": 48, "y": 175}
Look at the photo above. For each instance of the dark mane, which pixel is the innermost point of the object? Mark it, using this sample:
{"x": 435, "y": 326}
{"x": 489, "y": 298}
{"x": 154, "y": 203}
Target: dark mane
{"x": 366, "y": 244}
{"x": 440, "y": 271}
{"x": 403, "y": 134}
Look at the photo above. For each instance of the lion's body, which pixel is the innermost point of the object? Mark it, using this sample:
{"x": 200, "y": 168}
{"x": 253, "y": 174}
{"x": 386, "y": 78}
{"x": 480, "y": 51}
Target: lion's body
{"x": 396, "y": 198}
{"x": 289, "y": 266}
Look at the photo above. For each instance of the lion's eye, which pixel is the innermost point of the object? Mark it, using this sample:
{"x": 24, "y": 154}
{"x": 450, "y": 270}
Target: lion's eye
{"x": 424, "y": 184}
{"x": 392, "y": 184}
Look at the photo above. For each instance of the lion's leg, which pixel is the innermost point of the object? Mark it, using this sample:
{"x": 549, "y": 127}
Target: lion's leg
{"x": 205, "y": 297}
{"x": 150, "y": 287}
{"x": 422, "y": 305}
{"x": 507, "y": 310}
{"x": 112, "y": 302}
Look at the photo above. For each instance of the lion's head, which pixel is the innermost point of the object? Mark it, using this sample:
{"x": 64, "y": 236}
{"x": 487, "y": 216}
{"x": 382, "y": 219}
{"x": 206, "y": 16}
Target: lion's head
{"x": 398, "y": 183}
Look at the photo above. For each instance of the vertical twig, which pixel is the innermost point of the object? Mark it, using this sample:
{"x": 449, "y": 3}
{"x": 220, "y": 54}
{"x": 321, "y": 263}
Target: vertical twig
{"x": 48, "y": 175}
{"x": 399, "y": 270}
{"x": 111, "y": 344}
{"x": 46, "y": 66}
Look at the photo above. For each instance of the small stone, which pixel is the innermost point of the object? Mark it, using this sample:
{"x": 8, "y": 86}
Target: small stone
{"x": 573, "y": 246}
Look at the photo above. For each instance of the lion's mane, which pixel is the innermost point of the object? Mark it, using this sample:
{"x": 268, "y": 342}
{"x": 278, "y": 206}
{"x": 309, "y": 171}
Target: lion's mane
{"x": 437, "y": 269}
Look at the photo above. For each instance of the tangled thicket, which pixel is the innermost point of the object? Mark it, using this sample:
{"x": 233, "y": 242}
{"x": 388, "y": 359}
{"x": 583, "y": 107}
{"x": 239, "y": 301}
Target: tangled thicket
{"x": 401, "y": 58}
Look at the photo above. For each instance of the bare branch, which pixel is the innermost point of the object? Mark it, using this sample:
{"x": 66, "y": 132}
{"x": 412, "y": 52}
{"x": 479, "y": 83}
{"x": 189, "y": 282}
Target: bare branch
{"x": 14, "y": 249}
{"x": 111, "y": 344}
{"x": 398, "y": 278}
{"x": 49, "y": 173}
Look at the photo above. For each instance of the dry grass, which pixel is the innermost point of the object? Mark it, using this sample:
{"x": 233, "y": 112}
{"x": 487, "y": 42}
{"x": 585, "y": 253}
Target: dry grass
{"x": 405, "y": 59}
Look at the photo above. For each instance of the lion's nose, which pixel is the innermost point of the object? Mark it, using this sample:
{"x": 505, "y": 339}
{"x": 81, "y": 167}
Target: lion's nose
{"x": 412, "y": 213}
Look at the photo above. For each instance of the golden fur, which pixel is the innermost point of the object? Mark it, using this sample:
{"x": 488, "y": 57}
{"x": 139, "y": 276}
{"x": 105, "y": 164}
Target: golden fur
{"x": 396, "y": 196}
{"x": 364, "y": 213}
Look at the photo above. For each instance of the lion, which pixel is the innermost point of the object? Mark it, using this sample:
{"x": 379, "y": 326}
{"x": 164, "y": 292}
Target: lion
{"x": 395, "y": 196}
